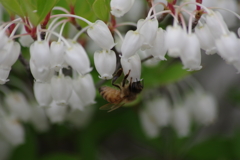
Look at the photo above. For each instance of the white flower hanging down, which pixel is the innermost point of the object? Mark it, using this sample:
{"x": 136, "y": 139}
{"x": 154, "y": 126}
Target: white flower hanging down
{"x": 42, "y": 93}
{"x": 85, "y": 89}
{"x": 134, "y": 65}
{"x": 40, "y": 55}
{"x": 101, "y": 35}
{"x": 148, "y": 29}
{"x": 56, "y": 113}
{"x": 61, "y": 89}
{"x": 57, "y": 51}
{"x": 175, "y": 38}
{"x": 77, "y": 58}
{"x": 191, "y": 54}
{"x": 181, "y": 120}
{"x": 120, "y": 7}
{"x": 159, "y": 50}
{"x": 131, "y": 43}
{"x": 206, "y": 39}
{"x": 18, "y": 105}
{"x": 105, "y": 63}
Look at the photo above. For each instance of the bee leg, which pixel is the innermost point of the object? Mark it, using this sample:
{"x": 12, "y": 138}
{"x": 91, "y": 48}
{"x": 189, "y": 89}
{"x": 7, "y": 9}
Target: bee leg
{"x": 125, "y": 78}
{"x": 115, "y": 77}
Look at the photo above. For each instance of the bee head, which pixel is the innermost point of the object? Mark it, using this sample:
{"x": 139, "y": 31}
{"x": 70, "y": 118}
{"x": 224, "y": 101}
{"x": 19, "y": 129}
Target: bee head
{"x": 136, "y": 87}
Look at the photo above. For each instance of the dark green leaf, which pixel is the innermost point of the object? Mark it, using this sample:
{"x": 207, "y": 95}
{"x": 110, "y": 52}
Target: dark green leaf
{"x": 13, "y": 6}
{"x": 71, "y": 2}
{"x": 44, "y": 7}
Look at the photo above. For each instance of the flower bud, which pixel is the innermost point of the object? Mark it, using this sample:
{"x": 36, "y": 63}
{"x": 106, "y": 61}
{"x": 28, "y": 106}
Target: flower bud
{"x": 191, "y": 55}
{"x": 120, "y": 7}
{"x": 131, "y": 43}
{"x": 175, "y": 40}
{"x": 105, "y": 63}
{"x": 134, "y": 64}
{"x": 101, "y": 35}
{"x": 61, "y": 89}
{"x": 148, "y": 29}
{"x": 77, "y": 58}
{"x": 75, "y": 102}
{"x": 42, "y": 93}
{"x": 3, "y": 37}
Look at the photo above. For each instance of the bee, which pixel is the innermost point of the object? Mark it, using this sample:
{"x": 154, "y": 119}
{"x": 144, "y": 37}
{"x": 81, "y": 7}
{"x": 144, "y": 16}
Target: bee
{"x": 123, "y": 93}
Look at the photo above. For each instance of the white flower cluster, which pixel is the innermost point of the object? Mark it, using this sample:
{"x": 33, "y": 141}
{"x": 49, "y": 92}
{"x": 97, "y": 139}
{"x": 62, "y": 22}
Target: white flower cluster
{"x": 199, "y": 106}
{"x": 17, "y": 110}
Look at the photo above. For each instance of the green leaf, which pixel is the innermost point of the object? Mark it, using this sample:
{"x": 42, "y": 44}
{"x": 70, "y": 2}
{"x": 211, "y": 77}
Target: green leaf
{"x": 163, "y": 74}
{"x": 44, "y": 7}
{"x": 71, "y": 2}
{"x": 13, "y": 6}
{"x": 101, "y": 9}
{"x": 31, "y": 10}
{"x": 83, "y": 8}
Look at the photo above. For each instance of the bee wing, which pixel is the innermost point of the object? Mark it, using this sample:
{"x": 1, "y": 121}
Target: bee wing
{"x": 107, "y": 106}
{"x": 111, "y": 107}
{"x": 116, "y": 106}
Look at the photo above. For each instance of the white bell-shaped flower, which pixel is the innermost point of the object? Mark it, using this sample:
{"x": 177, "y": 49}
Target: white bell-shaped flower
{"x": 105, "y": 63}
{"x": 56, "y": 113}
{"x": 75, "y": 102}
{"x": 216, "y": 24}
{"x": 149, "y": 126}
{"x": 77, "y": 58}
{"x": 181, "y": 120}
{"x": 4, "y": 72}
{"x": 206, "y": 110}
{"x": 175, "y": 38}
{"x": 85, "y": 89}
{"x": 120, "y": 7}
{"x": 206, "y": 39}
{"x": 12, "y": 131}
{"x": 18, "y": 105}
{"x": 101, "y": 35}
{"x": 40, "y": 55}
{"x": 42, "y": 93}
{"x": 134, "y": 64}
{"x": 40, "y": 76}
{"x": 148, "y": 29}
{"x": 160, "y": 110}
{"x": 228, "y": 47}
{"x": 57, "y": 51}
{"x": 3, "y": 37}
{"x": 191, "y": 55}
{"x": 159, "y": 50}
{"x": 131, "y": 43}
{"x": 61, "y": 89}
{"x": 39, "y": 119}
{"x": 10, "y": 53}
